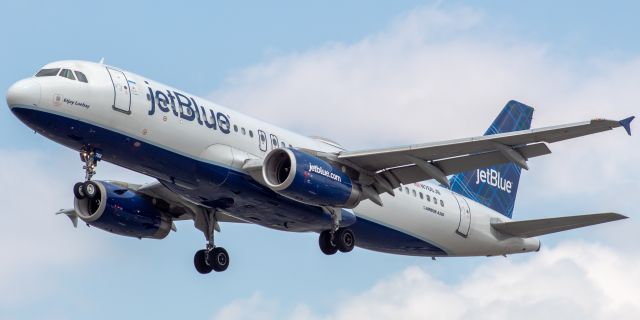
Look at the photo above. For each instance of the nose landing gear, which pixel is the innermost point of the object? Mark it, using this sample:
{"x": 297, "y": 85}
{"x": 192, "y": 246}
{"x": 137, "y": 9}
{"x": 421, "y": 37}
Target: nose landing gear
{"x": 88, "y": 189}
{"x": 90, "y": 157}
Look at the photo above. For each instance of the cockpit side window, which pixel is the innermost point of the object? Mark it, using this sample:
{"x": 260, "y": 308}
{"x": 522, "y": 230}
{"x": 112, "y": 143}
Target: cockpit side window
{"x": 47, "y": 72}
{"x": 67, "y": 74}
{"x": 81, "y": 77}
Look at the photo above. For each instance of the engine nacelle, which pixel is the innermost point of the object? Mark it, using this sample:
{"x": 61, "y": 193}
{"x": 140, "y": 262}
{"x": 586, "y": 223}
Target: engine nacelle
{"x": 309, "y": 179}
{"x": 121, "y": 211}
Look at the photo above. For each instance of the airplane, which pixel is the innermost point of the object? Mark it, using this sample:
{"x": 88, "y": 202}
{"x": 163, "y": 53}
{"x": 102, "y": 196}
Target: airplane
{"x": 214, "y": 165}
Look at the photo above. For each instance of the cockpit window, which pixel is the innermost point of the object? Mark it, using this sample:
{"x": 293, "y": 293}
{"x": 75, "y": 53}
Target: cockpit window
{"x": 67, "y": 74}
{"x": 81, "y": 77}
{"x": 47, "y": 72}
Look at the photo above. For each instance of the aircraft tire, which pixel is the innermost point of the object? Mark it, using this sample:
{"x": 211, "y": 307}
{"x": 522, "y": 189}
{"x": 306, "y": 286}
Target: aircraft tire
{"x": 200, "y": 262}
{"x": 78, "y": 190}
{"x": 218, "y": 259}
{"x": 325, "y": 243}
{"x": 345, "y": 240}
{"x": 90, "y": 189}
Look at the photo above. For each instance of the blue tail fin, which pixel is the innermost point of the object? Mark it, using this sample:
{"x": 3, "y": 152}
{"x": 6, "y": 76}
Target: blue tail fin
{"x": 496, "y": 186}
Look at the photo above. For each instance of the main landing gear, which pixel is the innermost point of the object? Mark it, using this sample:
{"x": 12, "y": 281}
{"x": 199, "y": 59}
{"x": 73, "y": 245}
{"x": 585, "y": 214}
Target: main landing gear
{"x": 342, "y": 240}
{"x": 88, "y": 189}
{"x": 212, "y": 258}
{"x": 336, "y": 238}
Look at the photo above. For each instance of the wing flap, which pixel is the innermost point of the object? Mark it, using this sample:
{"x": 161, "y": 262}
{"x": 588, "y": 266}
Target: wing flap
{"x": 412, "y": 173}
{"x": 538, "y": 227}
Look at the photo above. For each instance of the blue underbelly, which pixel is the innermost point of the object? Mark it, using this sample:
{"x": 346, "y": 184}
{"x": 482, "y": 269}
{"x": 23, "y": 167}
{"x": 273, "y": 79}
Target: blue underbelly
{"x": 214, "y": 185}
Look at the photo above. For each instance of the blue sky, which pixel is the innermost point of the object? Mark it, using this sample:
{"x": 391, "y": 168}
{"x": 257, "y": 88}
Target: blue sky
{"x": 573, "y": 61}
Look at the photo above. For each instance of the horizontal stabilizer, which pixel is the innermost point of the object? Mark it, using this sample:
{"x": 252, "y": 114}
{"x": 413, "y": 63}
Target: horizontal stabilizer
{"x": 538, "y": 227}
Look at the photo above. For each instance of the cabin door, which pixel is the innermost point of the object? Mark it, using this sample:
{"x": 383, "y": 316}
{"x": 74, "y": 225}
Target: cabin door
{"x": 465, "y": 216}
{"x": 121, "y": 91}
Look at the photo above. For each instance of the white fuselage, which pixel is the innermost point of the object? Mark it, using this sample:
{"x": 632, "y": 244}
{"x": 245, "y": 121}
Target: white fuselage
{"x": 167, "y": 118}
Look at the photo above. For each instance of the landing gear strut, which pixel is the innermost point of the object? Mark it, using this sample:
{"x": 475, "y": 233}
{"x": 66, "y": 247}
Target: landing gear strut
{"x": 336, "y": 238}
{"x": 87, "y": 189}
{"x": 90, "y": 157}
{"x": 212, "y": 258}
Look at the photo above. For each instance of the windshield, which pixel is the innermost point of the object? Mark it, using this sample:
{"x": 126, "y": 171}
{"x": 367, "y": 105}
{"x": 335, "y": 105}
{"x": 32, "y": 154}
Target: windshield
{"x": 48, "y": 72}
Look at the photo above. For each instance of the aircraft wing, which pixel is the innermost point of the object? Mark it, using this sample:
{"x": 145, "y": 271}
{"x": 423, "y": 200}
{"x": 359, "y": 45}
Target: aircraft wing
{"x": 179, "y": 207}
{"x": 168, "y": 202}
{"x": 538, "y": 227}
{"x": 436, "y": 160}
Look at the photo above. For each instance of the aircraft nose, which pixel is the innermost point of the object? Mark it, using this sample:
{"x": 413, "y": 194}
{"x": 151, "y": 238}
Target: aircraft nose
{"x": 24, "y": 92}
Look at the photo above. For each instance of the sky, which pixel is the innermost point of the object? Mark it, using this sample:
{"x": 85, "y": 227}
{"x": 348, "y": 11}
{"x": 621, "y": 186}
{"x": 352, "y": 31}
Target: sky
{"x": 366, "y": 75}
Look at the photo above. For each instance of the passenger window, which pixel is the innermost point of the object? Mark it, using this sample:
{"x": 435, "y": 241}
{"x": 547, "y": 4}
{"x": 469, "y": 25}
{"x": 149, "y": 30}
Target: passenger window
{"x": 406, "y": 190}
{"x": 414, "y": 193}
{"x": 428, "y": 198}
{"x": 435, "y": 200}
{"x": 81, "y": 77}
{"x": 441, "y": 203}
{"x": 244, "y": 132}
{"x": 48, "y": 72}
{"x": 251, "y": 133}
{"x": 235, "y": 128}
{"x": 421, "y": 195}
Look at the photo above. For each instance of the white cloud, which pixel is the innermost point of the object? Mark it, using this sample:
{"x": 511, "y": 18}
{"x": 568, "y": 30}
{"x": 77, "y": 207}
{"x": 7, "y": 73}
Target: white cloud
{"x": 430, "y": 75}
{"x": 255, "y": 307}
{"x": 571, "y": 281}
{"x": 443, "y": 74}
{"x": 37, "y": 246}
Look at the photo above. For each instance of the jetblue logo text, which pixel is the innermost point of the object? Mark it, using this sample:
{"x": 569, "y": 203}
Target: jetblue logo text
{"x": 326, "y": 173}
{"x": 493, "y": 178}
{"x": 187, "y": 108}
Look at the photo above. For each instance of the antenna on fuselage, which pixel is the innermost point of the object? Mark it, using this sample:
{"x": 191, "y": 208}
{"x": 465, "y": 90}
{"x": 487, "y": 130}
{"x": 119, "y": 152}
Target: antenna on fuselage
{"x": 101, "y": 60}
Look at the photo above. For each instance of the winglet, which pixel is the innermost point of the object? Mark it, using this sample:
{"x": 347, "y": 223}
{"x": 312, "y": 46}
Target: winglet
{"x": 626, "y": 123}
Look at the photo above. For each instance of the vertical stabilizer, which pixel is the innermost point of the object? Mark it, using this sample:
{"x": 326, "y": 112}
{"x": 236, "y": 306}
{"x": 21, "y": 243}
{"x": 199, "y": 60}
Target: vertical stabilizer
{"x": 496, "y": 186}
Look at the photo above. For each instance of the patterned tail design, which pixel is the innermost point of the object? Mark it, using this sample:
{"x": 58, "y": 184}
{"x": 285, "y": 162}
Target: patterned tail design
{"x": 496, "y": 186}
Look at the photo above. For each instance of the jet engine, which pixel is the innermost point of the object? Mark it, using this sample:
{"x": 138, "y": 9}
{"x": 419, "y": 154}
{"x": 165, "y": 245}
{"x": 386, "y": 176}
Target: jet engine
{"x": 309, "y": 179}
{"x": 121, "y": 211}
